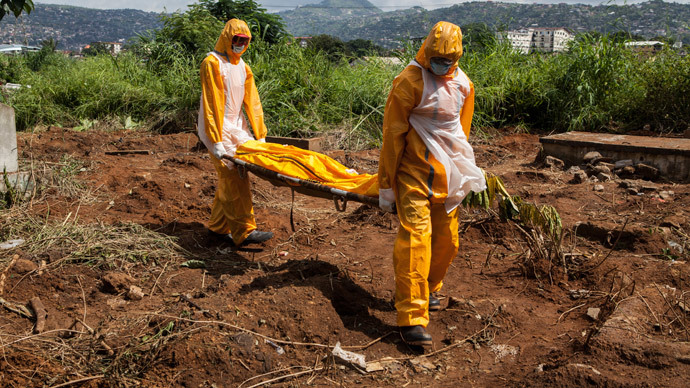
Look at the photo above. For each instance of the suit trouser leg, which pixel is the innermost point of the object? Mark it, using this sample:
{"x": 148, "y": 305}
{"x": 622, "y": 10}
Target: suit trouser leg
{"x": 412, "y": 258}
{"x": 232, "y": 210}
{"x": 444, "y": 244}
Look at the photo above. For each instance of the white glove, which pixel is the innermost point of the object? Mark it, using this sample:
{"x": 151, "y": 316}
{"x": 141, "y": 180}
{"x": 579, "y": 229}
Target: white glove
{"x": 263, "y": 140}
{"x": 218, "y": 150}
{"x": 387, "y": 200}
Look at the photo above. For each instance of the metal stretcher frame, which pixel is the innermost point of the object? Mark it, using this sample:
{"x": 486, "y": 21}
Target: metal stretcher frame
{"x": 312, "y": 189}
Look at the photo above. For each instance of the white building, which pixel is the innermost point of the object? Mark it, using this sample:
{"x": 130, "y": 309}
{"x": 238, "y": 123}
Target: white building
{"x": 521, "y": 40}
{"x": 114, "y": 48}
{"x": 649, "y": 46}
{"x": 16, "y": 48}
{"x": 539, "y": 39}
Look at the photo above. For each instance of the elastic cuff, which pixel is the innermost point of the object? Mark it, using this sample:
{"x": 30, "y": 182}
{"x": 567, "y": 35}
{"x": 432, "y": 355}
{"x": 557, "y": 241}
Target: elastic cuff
{"x": 407, "y": 321}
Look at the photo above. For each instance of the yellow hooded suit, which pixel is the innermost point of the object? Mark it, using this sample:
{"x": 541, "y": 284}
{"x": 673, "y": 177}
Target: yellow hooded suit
{"x": 227, "y": 86}
{"x": 426, "y": 121}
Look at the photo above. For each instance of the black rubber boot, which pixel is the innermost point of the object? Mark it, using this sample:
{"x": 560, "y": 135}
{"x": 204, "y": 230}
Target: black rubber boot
{"x": 434, "y": 303}
{"x": 220, "y": 238}
{"x": 415, "y": 335}
{"x": 256, "y": 237}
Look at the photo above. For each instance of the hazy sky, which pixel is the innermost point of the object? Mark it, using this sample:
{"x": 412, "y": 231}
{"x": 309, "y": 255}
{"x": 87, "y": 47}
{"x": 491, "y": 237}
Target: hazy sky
{"x": 279, "y": 5}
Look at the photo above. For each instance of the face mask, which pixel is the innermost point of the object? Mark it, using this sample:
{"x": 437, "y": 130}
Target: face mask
{"x": 237, "y": 49}
{"x": 440, "y": 68}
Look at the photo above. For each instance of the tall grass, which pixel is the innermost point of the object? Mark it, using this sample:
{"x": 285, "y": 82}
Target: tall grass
{"x": 597, "y": 85}
{"x": 663, "y": 98}
{"x": 510, "y": 88}
{"x": 66, "y": 91}
{"x": 303, "y": 92}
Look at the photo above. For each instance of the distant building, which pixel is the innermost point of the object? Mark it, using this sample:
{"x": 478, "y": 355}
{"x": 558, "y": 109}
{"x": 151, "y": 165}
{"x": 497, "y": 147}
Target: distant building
{"x": 113, "y": 48}
{"x": 520, "y": 40}
{"x": 303, "y": 41}
{"x": 645, "y": 46}
{"x": 13, "y": 49}
{"x": 539, "y": 39}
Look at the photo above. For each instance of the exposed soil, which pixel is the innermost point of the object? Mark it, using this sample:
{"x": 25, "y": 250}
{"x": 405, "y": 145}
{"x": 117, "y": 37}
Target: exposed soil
{"x": 508, "y": 318}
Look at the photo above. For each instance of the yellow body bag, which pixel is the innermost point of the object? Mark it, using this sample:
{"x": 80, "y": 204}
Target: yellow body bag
{"x": 307, "y": 165}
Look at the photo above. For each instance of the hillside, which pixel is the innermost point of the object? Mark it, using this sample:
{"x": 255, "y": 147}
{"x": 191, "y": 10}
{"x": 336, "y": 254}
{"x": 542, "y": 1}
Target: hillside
{"x": 312, "y": 19}
{"x": 75, "y": 27}
{"x": 650, "y": 19}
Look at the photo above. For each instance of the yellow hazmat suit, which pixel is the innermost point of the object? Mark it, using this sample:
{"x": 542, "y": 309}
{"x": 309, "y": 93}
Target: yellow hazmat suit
{"x": 426, "y": 168}
{"x": 227, "y": 85}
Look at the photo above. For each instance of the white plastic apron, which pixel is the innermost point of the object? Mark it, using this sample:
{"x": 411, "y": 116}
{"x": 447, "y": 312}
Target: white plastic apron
{"x": 235, "y": 128}
{"x": 437, "y": 121}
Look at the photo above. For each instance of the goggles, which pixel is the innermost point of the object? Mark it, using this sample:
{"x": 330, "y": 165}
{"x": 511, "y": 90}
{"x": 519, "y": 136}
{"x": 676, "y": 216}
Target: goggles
{"x": 240, "y": 40}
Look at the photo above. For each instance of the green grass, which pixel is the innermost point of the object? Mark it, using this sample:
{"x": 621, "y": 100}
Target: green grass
{"x": 597, "y": 85}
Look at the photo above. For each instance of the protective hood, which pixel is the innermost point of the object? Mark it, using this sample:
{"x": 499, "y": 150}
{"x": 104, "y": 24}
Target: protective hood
{"x": 224, "y": 44}
{"x": 444, "y": 40}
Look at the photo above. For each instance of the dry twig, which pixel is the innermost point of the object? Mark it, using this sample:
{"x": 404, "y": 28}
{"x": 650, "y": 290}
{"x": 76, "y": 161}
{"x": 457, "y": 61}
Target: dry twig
{"x": 4, "y": 273}
{"x": 77, "y": 381}
{"x": 273, "y": 380}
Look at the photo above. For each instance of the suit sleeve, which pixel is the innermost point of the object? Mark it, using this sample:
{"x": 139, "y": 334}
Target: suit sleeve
{"x": 212, "y": 98}
{"x": 252, "y": 106}
{"x": 467, "y": 111}
{"x": 405, "y": 94}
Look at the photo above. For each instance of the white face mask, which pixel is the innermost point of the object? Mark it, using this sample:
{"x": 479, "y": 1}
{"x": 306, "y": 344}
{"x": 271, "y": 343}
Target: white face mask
{"x": 237, "y": 49}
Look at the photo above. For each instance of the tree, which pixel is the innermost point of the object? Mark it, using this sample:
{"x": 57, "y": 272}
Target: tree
{"x": 477, "y": 37}
{"x": 185, "y": 39}
{"x": 361, "y": 47}
{"x": 96, "y": 49}
{"x": 195, "y": 30}
{"x": 16, "y": 7}
{"x": 49, "y": 44}
{"x": 264, "y": 26}
{"x": 333, "y": 47}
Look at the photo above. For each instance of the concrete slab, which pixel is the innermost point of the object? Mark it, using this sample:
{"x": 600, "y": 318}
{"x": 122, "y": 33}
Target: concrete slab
{"x": 313, "y": 144}
{"x": 670, "y": 155}
{"x": 8, "y": 140}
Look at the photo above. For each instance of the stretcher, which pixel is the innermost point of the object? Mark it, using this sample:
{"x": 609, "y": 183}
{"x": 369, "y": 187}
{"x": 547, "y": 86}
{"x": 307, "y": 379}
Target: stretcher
{"x": 306, "y": 172}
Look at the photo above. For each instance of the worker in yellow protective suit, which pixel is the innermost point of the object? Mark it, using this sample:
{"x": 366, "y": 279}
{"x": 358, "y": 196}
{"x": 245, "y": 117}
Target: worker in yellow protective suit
{"x": 227, "y": 85}
{"x": 426, "y": 168}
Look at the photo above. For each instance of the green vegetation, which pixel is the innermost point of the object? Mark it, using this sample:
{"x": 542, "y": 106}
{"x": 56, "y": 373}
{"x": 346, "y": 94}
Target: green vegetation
{"x": 336, "y": 49}
{"x": 265, "y": 26}
{"x": 596, "y": 85}
{"x": 15, "y": 7}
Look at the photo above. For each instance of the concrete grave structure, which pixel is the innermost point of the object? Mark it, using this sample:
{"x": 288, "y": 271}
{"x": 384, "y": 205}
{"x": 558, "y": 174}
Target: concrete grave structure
{"x": 9, "y": 166}
{"x": 8, "y": 140}
{"x": 670, "y": 155}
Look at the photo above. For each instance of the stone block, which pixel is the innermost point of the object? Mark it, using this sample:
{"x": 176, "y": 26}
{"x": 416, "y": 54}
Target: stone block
{"x": 8, "y": 140}
{"x": 552, "y": 162}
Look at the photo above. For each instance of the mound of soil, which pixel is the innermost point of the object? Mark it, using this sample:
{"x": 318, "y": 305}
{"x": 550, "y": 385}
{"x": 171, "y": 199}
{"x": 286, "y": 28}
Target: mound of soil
{"x": 616, "y": 314}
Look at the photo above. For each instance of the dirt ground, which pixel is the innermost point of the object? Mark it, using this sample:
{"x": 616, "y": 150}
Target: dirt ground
{"x": 615, "y": 315}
